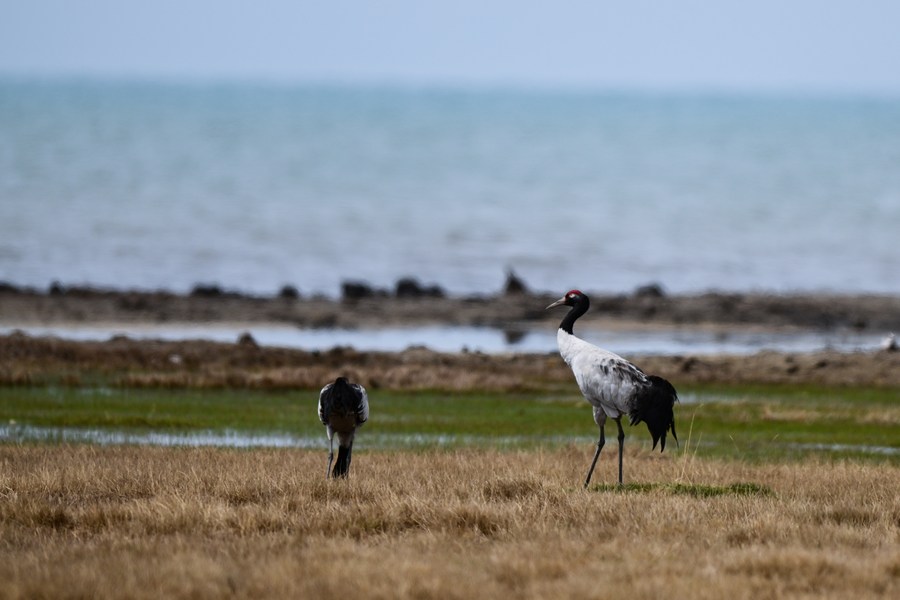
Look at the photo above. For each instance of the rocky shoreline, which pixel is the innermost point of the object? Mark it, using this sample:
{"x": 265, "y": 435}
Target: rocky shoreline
{"x": 646, "y": 306}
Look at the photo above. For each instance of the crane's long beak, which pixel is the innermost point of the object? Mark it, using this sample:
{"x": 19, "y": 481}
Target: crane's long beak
{"x": 557, "y": 303}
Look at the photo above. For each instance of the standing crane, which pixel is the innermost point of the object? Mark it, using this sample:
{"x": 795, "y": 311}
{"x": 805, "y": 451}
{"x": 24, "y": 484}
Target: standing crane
{"x": 343, "y": 407}
{"x": 614, "y": 386}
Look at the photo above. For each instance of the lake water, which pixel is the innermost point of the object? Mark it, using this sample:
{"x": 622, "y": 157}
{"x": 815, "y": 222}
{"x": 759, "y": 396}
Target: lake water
{"x": 663, "y": 341}
{"x": 144, "y": 185}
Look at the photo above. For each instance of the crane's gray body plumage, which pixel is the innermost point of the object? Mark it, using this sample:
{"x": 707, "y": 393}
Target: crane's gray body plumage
{"x": 614, "y": 386}
{"x": 343, "y": 408}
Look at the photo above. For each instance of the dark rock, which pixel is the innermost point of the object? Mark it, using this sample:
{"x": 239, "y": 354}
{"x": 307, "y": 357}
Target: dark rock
{"x": 514, "y": 285}
{"x": 356, "y": 290}
{"x": 409, "y": 287}
{"x": 207, "y": 291}
{"x": 246, "y": 340}
{"x": 651, "y": 290}
{"x": 289, "y": 292}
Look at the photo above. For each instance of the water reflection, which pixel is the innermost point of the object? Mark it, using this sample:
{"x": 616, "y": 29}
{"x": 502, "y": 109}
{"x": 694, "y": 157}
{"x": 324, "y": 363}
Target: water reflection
{"x": 14, "y": 433}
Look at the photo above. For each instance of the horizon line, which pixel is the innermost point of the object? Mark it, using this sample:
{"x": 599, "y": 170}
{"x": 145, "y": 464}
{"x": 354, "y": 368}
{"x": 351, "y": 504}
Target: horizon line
{"x": 472, "y": 85}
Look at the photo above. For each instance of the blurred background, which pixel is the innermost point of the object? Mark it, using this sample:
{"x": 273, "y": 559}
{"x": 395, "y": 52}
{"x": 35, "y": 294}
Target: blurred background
{"x": 601, "y": 145}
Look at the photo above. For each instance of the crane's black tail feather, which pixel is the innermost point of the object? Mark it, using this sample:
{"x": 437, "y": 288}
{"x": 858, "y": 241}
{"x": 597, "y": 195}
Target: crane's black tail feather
{"x": 655, "y": 407}
{"x": 342, "y": 464}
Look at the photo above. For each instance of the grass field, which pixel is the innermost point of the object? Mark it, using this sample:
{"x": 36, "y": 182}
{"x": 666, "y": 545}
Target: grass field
{"x": 453, "y": 495}
{"x": 146, "y": 522}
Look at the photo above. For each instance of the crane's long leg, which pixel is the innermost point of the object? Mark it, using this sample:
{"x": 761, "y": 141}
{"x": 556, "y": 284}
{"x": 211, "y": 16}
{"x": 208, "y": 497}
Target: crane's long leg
{"x": 349, "y": 456}
{"x": 600, "y": 444}
{"x": 621, "y": 442}
{"x": 330, "y": 456}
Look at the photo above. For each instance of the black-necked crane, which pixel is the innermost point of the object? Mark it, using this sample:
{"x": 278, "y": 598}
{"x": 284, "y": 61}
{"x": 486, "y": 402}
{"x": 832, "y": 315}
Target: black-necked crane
{"x": 343, "y": 408}
{"x": 614, "y": 386}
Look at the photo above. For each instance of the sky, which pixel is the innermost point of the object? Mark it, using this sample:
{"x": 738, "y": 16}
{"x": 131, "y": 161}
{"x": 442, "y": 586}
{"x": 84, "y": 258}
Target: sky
{"x": 797, "y": 45}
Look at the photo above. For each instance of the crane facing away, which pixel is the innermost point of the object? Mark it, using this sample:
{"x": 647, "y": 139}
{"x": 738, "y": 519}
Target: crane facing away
{"x": 343, "y": 407}
{"x": 614, "y": 386}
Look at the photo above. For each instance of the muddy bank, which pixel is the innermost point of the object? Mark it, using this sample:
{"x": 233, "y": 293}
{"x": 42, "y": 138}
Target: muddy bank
{"x": 646, "y": 306}
{"x": 122, "y": 361}
{"x": 28, "y": 360}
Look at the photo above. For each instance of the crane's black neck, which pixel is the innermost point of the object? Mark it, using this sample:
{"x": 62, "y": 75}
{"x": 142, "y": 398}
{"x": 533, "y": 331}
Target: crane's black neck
{"x": 581, "y": 306}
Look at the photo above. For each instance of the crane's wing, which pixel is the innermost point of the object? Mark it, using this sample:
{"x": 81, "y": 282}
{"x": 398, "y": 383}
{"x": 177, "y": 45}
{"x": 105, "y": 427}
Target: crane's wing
{"x": 362, "y": 407}
{"x": 325, "y": 403}
{"x": 607, "y": 379}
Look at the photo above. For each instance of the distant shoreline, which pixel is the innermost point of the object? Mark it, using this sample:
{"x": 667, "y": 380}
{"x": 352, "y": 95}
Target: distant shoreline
{"x": 364, "y": 306}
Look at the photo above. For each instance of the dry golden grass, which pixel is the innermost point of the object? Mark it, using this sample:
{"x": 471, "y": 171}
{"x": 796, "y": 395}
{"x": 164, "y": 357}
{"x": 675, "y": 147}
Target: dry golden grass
{"x": 208, "y": 523}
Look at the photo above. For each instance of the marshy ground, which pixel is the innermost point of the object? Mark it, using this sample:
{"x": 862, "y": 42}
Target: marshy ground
{"x": 784, "y": 483}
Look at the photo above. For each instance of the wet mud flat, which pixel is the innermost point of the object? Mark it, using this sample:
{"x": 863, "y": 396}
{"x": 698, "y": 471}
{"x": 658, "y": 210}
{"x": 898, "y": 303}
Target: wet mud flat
{"x": 243, "y": 362}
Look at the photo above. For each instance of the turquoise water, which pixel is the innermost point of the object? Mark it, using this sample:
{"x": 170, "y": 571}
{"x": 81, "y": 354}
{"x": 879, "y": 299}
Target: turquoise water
{"x": 254, "y": 187}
